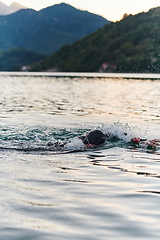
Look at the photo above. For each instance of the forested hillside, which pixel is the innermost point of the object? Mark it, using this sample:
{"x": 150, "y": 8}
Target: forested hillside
{"x": 47, "y": 30}
{"x": 15, "y": 58}
{"x": 130, "y": 45}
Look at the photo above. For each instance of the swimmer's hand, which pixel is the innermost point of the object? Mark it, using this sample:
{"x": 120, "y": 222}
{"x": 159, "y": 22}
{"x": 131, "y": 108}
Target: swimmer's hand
{"x": 151, "y": 143}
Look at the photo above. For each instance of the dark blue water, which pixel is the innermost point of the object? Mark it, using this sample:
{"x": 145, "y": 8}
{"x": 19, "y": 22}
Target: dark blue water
{"x": 111, "y": 192}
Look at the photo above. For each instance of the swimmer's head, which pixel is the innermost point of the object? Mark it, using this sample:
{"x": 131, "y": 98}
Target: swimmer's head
{"x": 95, "y": 138}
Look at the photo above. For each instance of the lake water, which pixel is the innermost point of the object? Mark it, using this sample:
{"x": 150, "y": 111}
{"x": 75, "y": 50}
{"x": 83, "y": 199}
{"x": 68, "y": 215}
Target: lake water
{"x": 112, "y": 192}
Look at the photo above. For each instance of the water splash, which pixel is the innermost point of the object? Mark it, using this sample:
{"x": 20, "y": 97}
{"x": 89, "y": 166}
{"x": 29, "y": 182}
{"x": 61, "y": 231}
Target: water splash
{"x": 54, "y": 139}
{"x": 123, "y": 131}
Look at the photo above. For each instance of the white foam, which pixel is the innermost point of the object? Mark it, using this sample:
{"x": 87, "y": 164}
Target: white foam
{"x": 75, "y": 144}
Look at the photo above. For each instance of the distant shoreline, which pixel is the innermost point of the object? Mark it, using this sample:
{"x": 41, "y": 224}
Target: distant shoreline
{"x": 88, "y": 75}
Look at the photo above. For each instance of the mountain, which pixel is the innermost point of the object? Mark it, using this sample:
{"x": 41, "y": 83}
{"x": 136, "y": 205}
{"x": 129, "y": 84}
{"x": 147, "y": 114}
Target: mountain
{"x": 130, "y": 45}
{"x": 47, "y": 30}
{"x": 15, "y": 58}
{"x": 3, "y": 9}
{"x": 14, "y": 7}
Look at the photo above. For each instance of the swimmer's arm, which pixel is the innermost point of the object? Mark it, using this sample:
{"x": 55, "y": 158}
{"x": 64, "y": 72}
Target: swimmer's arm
{"x": 146, "y": 143}
{"x": 151, "y": 143}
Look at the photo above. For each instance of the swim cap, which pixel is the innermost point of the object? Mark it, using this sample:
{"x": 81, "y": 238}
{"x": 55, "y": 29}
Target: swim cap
{"x": 96, "y": 137}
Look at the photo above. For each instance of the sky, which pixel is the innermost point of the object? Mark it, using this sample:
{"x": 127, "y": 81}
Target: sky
{"x": 112, "y": 10}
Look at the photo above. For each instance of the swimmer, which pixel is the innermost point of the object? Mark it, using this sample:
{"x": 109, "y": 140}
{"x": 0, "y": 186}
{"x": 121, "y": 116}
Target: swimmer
{"x": 93, "y": 139}
{"x": 96, "y": 138}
